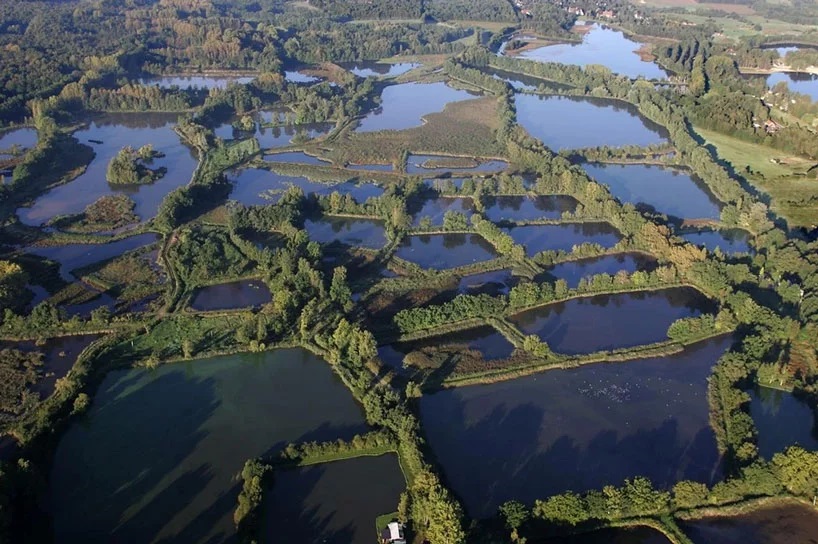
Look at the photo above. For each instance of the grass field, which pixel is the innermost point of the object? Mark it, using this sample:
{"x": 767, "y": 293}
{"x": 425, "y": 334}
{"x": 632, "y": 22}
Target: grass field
{"x": 741, "y": 9}
{"x": 794, "y": 196}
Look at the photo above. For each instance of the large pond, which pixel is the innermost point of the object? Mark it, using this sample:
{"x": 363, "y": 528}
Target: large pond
{"x": 366, "y": 68}
{"x": 606, "y": 322}
{"x": 276, "y": 136}
{"x": 255, "y": 187}
{"x": 785, "y": 524}
{"x": 729, "y": 241}
{"x": 228, "y": 296}
{"x": 367, "y": 233}
{"x": 115, "y": 132}
{"x": 600, "y": 45}
{"x": 435, "y": 208}
{"x": 332, "y": 503}
{"x": 665, "y": 190}
{"x": 564, "y": 237}
{"x": 21, "y": 138}
{"x": 490, "y": 343}
{"x": 563, "y": 122}
{"x": 425, "y": 164}
{"x": 441, "y": 251}
{"x": 797, "y": 82}
{"x": 782, "y": 420}
{"x": 494, "y": 282}
{"x": 402, "y": 106}
{"x": 74, "y": 256}
{"x": 196, "y": 81}
{"x": 527, "y": 208}
{"x": 156, "y": 457}
{"x": 573, "y": 271}
{"x": 576, "y": 429}
{"x": 623, "y": 535}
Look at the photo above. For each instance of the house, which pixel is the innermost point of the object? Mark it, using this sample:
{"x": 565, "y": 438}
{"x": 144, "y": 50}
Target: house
{"x": 393, "y": 534}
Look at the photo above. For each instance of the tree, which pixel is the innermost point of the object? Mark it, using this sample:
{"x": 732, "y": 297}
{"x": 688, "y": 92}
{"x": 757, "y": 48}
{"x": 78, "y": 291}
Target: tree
{"x": 339, "y": 291}
{"x": 514, "y": 513}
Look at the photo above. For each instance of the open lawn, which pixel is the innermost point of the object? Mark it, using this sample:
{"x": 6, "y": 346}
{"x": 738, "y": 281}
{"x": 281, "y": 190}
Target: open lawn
{"x": 794, "y": 195}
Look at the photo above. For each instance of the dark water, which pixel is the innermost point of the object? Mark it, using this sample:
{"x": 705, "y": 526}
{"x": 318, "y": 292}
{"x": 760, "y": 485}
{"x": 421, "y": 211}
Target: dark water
{"x": 666, "y": 190}
{"x": 74, "y": 256}
{"x": 415, "y": 165}
{"x": 115, "y": 132}
{"x": 606, "y": 322}
{"x": 494, "y": 282}
{"x": 602, "y": 45}
{"x": 353, "y": 232}
{"x": 790, "y": 524}
{"x": 527, "y": 208}
{"x": 332, "y": 503}
{"x": 155, "y": 459}
{"x": 537, "y": 238}
{"x": 562, "y": 122}
{"x": 435, "y": 209}
{"x": 729, "y": 241}
{"x": 573, "y": 271}
{"x": 367, "y": 68}
{"x": 256, "y": 187}
{"x": 576, "y": 429}
{"x": 196, "y": 82}
{"x": 59, "y": 356}
{"x": 523, "y": 82}
{"x": 624, "y": 535}
{"x": 297, "y": 77}
{"x": 797, "y": 82}
{"x": 228, "y": 296}
{"x": 359, "y": 191}
{"x": 782, "y": 420}
{"x": 403, "y": 105}
{"x": 441, "y": 251}
{"x": 296, "y": 157}
{"x": 277, "y": 136}
{"x": 24, "y": 138}
{"x": 490, "y": 343}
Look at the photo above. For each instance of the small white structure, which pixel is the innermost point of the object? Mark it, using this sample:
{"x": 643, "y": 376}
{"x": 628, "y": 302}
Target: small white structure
{"x": 395, "y": 531}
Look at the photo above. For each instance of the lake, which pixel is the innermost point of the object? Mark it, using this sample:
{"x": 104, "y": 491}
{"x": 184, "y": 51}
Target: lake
{"x": 730, "y": 241}
{"x": 668, "y": 191}
{"x": 576, "y": 429}
{"x": 782, "y": 420}
{"x": 563, "y": 122}
{"x": 573, "y": 271}
{"x": 798, "y": 82}
{"x": 155, "y": 458}
{"x": 441, "y": 251}
{"x": 600, "y": 45}
{"x": 332, "y": 503}
{"x": 259, "y": 187}
{"x": 402, "y": 106}
{"x": 276, "y": 136}
{"x": 537, "y": 238}
{"x": 785, "y": 524}
{"x": 528, "y": 208}
{"x": 229, "y": 296}
{"x": 485, "y": 339}
{"x": 115, "y": 131}
{"x": 196, "y": 81}
{"x": 22, "y": 138}
{"x": 366, "y": 68}
{"x": 608, "y": 322}
{"x": 422, "y": 164}
{"x": 366, "y": 233}
{"x": 435, "y": 209}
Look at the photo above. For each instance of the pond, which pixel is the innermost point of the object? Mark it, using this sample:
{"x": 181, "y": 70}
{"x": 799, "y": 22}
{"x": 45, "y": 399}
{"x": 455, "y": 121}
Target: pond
{"x": 74, "y": 256}
{"x": 494, "y": 283}
{"x": 191, "y": 81}
{"x": 798, "y": 82}
{"x": 528, "y": 208}
{"x": 729, "y": 241}
{"x": 368, "y": 233}
{"x": 623, "y": 535}
{"x": 367, "y": 68}
{"x": 782, "y": 420}
{"x": 402, "y": 106}
{"x": 371, "y": 167}
{"x": 21, "y": 138}
{"x": 600, "y": 45}
{"x": 229, "y": 296}
{"x": 298, "y": 77}
{"x": 485, "y": 339}
{"x": 424, "y": 164}
{"x": 441, "y": 251}
{"x": 573, "y": 271}
{"x": 576, "y": 429}
{"x": 608, "y": 322}
{"x": 171, "y": 440}
{"x": 666, "y": 190}
{"x": 784, "y": 524}
{"x": 563, "y": 237}
{"x": 276, "y": 136}
{"x": 436, "y": 208}
{"x": 563, "y": 122}
{"x": 523, "y": 82}
{"x": 115, "y": 131}
{"x": 258, "y": 187}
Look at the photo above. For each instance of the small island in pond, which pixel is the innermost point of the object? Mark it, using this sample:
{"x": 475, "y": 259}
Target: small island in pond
{"x": 130, "y": 166}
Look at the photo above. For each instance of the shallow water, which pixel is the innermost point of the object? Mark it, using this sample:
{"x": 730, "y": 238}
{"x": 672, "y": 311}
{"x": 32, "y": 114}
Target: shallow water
{"x": 441, "y": 251}
{"x": 196, "y": 81}
{"x": 366, "y": 68}
{"x": 573, "y": 271}
{"x": 782, "y": 420}
{"x": 366, "y": 233}
{"x": 490, "y": 343}
{"x": 527, "y": 208}
{"x": 233, "y": 295}
{"x": 537, "y": 238}
{"x": 729, "y": 241}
